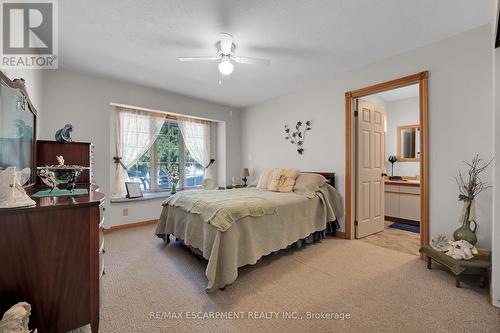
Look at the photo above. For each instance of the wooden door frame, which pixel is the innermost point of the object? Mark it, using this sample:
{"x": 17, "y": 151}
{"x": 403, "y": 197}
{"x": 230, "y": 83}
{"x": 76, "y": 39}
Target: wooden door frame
{"x": 422, "y": 80}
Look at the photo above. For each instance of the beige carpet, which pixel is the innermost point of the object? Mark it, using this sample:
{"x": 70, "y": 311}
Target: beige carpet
{"x": 382, "y": 290}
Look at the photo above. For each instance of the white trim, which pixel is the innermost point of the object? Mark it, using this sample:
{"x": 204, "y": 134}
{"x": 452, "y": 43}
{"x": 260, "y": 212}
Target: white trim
{"x": 160, "y": 111}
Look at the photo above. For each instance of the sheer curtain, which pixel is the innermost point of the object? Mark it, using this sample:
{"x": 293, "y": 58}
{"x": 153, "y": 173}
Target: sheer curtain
{"x": 196, "y": 135}
{"x": 136, "y": 131}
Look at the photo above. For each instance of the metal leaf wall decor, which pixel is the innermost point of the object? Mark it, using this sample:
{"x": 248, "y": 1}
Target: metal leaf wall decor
{"x": 298, "y": 136}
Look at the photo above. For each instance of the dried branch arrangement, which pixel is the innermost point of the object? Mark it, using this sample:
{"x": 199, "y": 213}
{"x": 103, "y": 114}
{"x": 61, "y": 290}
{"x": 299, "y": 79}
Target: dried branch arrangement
{"x": 474, "y": 185}
{"x": 297, "y": 137}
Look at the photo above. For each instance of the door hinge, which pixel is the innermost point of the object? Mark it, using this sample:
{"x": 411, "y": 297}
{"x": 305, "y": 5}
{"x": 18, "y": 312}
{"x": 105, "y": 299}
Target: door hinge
{"x": 355, "y": 113}
{"x": 356, "y": 223}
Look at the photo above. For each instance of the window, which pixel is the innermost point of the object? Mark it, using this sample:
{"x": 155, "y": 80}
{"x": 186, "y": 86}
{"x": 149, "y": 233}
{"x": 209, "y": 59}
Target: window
{"x": 167, "y": 152}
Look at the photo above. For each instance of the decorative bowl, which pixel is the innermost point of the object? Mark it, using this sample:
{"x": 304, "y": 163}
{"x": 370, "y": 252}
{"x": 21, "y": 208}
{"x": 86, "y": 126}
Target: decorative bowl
{"x": 60, "y": 175}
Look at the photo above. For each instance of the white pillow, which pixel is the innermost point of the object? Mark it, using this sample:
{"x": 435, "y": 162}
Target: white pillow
{"x": 264, "y": 179}
{"x": 308, "y": 184}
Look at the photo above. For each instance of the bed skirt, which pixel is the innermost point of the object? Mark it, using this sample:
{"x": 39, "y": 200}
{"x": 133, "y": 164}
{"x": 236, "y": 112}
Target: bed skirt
{"x": 330, "y": 229}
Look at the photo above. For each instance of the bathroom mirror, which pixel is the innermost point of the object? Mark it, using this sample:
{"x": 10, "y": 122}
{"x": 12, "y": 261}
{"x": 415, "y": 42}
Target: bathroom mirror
{"x": 17, "y": 127}
{"x": 409, "y": 143}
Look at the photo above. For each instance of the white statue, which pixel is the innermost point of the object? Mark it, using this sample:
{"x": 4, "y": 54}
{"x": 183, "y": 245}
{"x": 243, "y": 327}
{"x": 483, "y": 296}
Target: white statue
{"x": 12, "y": 193}
{"x": 233, "y": 182}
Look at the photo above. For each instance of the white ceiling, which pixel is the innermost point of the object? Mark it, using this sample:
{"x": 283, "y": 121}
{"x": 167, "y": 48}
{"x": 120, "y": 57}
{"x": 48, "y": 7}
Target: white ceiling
{"x": 398, "y": 93}
{"x": 307, "y": 41}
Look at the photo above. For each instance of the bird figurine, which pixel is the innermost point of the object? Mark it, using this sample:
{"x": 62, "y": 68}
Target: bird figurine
{"x": 64, "y": 134}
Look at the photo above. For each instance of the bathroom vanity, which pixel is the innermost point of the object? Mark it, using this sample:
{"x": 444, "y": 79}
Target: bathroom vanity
{"x": 402, "y": 201}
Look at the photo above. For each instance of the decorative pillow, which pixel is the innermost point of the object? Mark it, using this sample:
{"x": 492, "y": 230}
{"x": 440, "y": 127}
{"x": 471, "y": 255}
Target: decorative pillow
{"x": 283, "y": 180}
{"x": 308, "y": 184}
{"x": 209, "y": 184}
{"x": 264, "y": 179}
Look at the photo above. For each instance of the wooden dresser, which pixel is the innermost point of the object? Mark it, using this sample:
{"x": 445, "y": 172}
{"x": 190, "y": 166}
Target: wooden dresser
{"x": 51, "y": 257}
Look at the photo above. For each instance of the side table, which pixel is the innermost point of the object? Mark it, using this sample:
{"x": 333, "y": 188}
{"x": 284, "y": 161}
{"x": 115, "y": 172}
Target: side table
{"x": 481, "y": 261}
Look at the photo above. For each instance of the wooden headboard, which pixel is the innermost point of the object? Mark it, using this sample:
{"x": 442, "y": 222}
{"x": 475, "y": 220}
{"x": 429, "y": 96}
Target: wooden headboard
{"x": 330, "y": 176}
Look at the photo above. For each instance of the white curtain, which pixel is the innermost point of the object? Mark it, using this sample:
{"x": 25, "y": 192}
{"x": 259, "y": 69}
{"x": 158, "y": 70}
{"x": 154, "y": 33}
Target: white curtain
{"x": 196, "y": 135}
{"x": 136, "y": 131}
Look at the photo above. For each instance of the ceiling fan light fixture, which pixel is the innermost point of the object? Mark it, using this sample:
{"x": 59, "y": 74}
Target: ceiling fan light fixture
{"x": 226, "y": 58}
{"x": 226, "y": 67}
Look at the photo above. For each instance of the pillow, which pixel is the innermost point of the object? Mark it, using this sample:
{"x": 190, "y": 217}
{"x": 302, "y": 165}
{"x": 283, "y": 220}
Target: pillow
{"x": 283, "y": 180}
{"x": 264, "y": 179}
{"x": 308, "y": 184}
{"x": 209, "y": 184}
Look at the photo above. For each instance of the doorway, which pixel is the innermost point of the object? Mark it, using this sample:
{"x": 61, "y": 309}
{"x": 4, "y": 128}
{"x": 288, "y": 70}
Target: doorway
{"x": 367, "y": 172}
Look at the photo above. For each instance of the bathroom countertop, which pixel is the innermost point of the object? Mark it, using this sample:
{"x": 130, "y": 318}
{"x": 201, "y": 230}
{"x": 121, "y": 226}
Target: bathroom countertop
{"x": 408, "y": 182}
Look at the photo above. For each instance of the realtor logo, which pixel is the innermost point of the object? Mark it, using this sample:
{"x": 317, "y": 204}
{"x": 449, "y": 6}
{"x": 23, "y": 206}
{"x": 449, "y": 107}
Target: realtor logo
{"x": 29, "y": 34}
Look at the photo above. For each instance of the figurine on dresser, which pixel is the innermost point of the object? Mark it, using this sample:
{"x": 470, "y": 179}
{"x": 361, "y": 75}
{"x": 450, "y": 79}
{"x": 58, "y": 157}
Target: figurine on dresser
{"x": 12, "y": 193}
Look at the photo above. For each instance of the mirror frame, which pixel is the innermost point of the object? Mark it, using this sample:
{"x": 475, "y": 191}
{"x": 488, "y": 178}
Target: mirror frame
{"x": 400, "y": 157}
{"x": 19, "y": 85}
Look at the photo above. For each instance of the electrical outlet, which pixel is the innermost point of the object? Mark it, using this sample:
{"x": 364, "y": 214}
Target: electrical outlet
{"x": 125, "y": 211}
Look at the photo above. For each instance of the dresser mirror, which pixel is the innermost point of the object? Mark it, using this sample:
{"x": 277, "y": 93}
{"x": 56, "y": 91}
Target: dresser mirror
{"x": 409, "y": 143}
{"x": 17, "y": 127}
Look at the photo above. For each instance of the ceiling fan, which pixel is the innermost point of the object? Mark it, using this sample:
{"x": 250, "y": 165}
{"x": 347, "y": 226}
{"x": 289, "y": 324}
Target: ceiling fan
{"x": 225, "y": 54}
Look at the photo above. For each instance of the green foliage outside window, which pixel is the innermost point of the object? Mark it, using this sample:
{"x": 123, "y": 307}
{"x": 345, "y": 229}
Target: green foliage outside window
{"x": 167, "y": 149}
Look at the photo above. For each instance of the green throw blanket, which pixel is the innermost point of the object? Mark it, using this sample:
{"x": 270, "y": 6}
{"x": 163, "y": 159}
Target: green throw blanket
{"x": 223, "y": 208}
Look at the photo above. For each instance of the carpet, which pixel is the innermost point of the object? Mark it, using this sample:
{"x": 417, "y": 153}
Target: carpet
{"x": 406, "y": 227}
{"x": 152, "y": 287}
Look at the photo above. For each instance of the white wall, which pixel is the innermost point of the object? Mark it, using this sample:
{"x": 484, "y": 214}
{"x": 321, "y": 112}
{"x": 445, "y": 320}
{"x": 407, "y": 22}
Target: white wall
{"x": 496, "y": 217}
{"x": 460, "y": 112}
{"x": 400, "y": 113}
{"x": 496, "y": 214}
{"x": 83, "y": 101}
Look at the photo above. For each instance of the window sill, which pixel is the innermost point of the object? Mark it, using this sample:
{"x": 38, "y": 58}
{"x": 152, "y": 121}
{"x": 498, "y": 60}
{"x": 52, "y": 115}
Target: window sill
{"x": 147, "y": 196}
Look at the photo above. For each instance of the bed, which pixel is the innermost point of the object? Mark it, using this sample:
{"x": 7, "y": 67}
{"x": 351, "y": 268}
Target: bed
{"x": 275, "y": 222}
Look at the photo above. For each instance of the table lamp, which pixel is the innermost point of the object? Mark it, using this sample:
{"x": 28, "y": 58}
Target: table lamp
{"x": 246, "y": 173}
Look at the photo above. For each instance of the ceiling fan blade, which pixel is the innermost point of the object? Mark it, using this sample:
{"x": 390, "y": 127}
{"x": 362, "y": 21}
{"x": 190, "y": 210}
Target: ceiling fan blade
{"x": 252, "y": 61}
{"x": 226, "y": 43}
{"x": 207, "y": 58}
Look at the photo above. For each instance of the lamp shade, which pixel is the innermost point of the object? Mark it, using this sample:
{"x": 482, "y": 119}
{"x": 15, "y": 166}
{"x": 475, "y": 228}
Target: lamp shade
{"x": 246, "y": 172}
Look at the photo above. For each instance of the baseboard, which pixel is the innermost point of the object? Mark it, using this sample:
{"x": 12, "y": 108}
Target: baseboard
{"x": 340, "y": 234}
{"x": 129, "y": 225}
{"x": 400, "y": 220}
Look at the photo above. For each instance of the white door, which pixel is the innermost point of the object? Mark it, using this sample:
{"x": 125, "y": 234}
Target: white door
{"x": 370, "y": 159}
